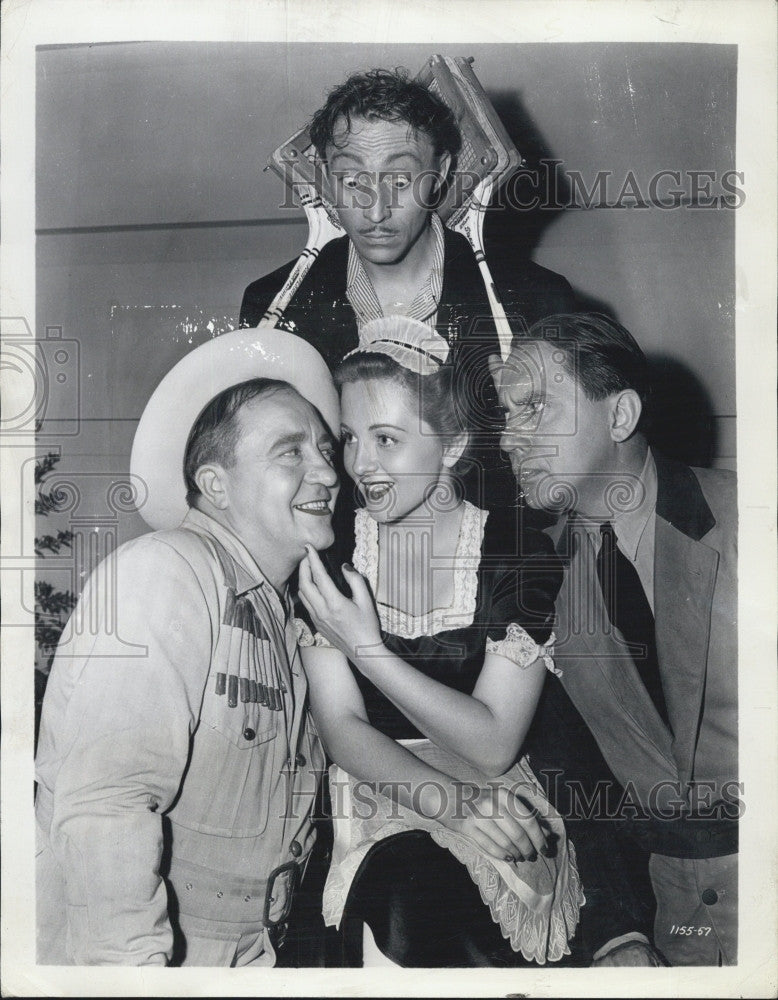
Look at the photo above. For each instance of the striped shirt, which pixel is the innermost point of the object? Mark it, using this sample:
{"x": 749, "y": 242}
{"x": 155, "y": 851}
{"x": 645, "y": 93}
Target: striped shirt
{"x": 362, "y": 295}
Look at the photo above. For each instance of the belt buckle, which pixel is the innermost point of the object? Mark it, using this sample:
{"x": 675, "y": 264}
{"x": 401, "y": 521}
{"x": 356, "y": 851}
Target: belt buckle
{"x": 277, "y": 928}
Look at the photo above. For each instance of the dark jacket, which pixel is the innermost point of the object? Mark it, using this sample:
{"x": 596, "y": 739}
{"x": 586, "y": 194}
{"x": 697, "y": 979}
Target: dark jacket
{"x": 322, "y": 315}
{"x": 695, "y": 566}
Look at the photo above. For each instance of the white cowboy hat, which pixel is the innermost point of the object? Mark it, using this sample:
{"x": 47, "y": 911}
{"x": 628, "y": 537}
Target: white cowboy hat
{"x": 163, "y": 431}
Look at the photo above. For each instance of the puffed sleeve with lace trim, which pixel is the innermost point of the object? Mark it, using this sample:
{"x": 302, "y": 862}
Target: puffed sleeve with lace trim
{"x": 523, "y": 575}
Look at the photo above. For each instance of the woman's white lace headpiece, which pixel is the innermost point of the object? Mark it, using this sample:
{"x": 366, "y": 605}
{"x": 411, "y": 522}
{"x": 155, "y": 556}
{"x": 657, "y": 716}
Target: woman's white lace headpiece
{"x": 409, "y": 342}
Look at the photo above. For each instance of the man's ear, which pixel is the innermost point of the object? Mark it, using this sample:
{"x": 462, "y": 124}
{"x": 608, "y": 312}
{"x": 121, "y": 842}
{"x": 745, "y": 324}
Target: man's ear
{"x": 455, "y": 449}
{"x": 626, "y": 408}
{"x": 443, "y": 167}
{"x": 210, "y": 481}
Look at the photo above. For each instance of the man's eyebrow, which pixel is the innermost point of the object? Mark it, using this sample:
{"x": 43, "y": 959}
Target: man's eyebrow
{"x": 343, "y": 154}
{"x": 404, "y": 154}
{"x": 522, "y": 394}
{"x": 357, "y": 159}
{"x": 286, "y": 439}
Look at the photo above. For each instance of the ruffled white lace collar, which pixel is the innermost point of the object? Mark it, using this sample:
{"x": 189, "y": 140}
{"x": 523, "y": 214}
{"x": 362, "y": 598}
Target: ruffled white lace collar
{"x": 461, "y": 612}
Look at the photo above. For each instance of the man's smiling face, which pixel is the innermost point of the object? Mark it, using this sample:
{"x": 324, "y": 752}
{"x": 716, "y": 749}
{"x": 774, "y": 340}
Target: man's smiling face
{"x": 281, "y": 485}
{"x": 382, "y": 174}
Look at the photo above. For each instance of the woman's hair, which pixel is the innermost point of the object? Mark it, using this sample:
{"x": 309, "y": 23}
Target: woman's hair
{"x": 440, "y": 404}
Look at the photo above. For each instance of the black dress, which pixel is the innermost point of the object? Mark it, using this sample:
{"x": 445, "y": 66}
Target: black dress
{"x": 422, "y": 906}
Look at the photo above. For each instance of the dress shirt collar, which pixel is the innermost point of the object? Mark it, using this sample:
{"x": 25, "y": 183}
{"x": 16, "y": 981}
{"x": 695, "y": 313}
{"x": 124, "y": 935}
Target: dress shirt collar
{"x": 247, "y": 572}
{"x": 630, "y": 525}
{"x": 362, "y": 296}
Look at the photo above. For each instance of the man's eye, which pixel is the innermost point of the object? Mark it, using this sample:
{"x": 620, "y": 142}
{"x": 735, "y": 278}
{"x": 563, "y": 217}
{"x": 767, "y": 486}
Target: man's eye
{"x": 292, "y": 452}
{"x": 400, "y": 181}
{"x": 523, "y": 411}
{"x": 355, "y": 182}
{"x": 329, "y": 454}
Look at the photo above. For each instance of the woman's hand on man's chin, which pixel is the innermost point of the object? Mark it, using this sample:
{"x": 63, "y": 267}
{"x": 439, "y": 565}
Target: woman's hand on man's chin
{"x": 349, "y": 623}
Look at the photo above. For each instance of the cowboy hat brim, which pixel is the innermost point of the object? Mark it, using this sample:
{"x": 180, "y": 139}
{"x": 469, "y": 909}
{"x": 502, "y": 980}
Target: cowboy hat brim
{"x": 157, "y": 460}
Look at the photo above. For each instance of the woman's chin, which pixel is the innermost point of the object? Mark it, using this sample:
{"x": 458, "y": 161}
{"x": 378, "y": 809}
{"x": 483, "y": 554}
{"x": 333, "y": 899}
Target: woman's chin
{"x": 385, "y": 513}
{"x": 381, "y": 516}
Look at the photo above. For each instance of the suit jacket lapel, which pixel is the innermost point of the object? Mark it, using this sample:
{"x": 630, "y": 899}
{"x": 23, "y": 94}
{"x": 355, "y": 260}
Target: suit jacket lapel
{"x": 583, "y": 615}
{"x": 684, "y": 579}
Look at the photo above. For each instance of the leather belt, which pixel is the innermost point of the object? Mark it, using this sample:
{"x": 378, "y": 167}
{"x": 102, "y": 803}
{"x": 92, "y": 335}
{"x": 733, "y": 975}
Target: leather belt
{"x": 277, "y": 926}
{"x": 220, "y": 898}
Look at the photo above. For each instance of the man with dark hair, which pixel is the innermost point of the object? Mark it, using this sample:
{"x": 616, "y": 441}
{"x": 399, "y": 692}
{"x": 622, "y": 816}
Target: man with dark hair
{"x": 388, "y": 144}
{"x": 177, "y": 765}
{"x": 216, "y": 432}
{"x": 646, "y": 617}
{"x": 389, "y": 96}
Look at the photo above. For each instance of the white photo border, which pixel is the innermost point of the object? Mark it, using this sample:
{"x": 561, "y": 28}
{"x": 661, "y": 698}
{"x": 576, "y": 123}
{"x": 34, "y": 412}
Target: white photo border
{"x": 750, "y": 24}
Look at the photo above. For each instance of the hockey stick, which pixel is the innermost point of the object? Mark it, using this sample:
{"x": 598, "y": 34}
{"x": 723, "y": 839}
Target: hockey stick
{"x": 321, "y": 229}
{"x": 488, "y": 157}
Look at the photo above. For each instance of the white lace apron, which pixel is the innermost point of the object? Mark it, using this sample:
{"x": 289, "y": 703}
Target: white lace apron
{"x": 536, "y": 903}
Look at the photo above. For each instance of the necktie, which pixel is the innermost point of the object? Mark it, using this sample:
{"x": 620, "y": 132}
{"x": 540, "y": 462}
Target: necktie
{"x": 629, "y": 611}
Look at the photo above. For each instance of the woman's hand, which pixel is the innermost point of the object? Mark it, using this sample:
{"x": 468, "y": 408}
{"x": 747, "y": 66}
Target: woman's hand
{"x": 350, "y": 624}
{"x": 501, "y": 823}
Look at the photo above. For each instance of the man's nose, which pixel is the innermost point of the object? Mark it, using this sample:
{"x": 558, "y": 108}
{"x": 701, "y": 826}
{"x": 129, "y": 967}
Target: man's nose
{"x": 380, "y": 204}
{"x": 321, "y": 471}
{"x": 516, "y": 440}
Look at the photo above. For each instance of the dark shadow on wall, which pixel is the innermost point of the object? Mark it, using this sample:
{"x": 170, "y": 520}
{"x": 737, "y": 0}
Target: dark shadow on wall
{"x": 514, "y": 221}
{"x": 533, "y": 198}
{"x": 683, "y": 425}
{"x": 682, "y": 422}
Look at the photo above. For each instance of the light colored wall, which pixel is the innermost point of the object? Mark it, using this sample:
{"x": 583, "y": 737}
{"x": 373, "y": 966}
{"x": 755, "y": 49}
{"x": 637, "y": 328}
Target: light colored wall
{"x": 151, "y": 195}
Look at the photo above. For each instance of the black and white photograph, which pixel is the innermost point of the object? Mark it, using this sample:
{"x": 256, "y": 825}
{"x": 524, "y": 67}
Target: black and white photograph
{"x": 389, "y": 454}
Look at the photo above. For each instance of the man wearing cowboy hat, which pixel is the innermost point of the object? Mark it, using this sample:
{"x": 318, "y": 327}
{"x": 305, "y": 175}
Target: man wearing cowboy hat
{"x": 177, "y": 764}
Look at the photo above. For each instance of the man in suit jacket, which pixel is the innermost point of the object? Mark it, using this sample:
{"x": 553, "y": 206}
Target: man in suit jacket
{"x": 646, "y": 629}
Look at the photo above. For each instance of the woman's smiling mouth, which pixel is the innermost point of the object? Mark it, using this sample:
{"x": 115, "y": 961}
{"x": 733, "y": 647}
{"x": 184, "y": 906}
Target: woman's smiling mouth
{"x": 377, "y": 490}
